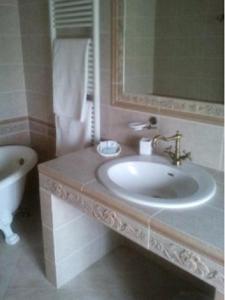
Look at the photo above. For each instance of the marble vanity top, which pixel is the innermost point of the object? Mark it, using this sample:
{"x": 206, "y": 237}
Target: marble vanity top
{"x": 199, "y": 228}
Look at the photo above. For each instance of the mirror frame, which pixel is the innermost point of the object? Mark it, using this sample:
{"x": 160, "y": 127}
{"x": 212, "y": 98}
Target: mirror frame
{"x": 200, "y": 111}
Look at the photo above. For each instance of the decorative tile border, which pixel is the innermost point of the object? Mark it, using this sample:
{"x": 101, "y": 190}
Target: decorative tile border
{"x": 111, "y": 218}
{"x": 42, "y": 128}
{"x": 188, "y": 260}
{"x": 182, "y": 108}
{"x": 13, "y": 126}
{"x": 17, "y": 125}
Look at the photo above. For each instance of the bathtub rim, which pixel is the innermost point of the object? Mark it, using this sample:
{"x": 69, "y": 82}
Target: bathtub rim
{"x": 22, "y": 170}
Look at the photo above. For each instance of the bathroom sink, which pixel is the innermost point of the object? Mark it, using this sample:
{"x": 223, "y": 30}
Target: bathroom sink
{"x": 154, "y": 181}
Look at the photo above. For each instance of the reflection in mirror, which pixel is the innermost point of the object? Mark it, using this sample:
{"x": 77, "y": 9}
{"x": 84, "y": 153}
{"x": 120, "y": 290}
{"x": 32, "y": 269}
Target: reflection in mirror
{"x": 174, "y": 48}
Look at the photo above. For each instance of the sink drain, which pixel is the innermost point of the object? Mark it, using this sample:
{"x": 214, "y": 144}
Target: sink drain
{"x": 171, "y": 174}
{"x": 156, "y": 196}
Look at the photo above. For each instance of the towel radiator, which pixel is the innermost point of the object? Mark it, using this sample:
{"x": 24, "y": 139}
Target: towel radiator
{"x": 76, "y": 19}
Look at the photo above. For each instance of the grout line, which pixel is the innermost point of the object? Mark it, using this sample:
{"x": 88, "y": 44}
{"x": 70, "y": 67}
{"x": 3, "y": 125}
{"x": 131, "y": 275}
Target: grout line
{"x": 13, "y": 120}
{"x": 81, "y": 248}
{"x": 14, "y": 133}
{"x": 156, "y": 213}
{"x": 65, "y": 224}
{"x": 13, "y": 91}
{"x": 9, "y": 4}
{"x": 86, "y": 183}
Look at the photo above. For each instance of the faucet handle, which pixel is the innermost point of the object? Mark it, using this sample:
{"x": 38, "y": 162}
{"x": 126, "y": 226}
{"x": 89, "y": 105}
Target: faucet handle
{"x": 169, "y": 151}
{"x": 186, "y": 155}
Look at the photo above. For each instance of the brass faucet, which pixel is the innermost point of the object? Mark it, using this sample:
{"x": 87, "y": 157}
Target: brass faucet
{"x": 176, "y": 156}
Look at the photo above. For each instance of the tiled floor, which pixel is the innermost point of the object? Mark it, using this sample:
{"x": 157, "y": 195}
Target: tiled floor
{"x": 121, "y": 275}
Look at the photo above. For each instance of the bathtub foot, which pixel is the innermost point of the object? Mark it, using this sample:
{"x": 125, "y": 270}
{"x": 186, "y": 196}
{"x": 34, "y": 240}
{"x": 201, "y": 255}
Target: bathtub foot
{"x": 11, "y": 238}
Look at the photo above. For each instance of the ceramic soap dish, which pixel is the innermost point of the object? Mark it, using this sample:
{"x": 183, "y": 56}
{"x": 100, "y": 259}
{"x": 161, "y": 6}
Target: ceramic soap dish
{"x": 109, "y": 148}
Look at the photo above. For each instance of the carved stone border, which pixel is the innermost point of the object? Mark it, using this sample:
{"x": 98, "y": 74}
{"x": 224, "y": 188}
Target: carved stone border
{"x": 183, "y": 257}
{"x": 190, "y": 261}
{"x": 177, "y": 107}
{"x": 41, "y": 127}
{"x": 111, "y": 218}
{"x": 14, "y": 126}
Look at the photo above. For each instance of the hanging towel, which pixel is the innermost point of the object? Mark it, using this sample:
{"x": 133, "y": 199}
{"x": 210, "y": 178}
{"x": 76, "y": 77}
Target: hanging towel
{"x": 70, "y": 76}
{"x": 71, "y": 134}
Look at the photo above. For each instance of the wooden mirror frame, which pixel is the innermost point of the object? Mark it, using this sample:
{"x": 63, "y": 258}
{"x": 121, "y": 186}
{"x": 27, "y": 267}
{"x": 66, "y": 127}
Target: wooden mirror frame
{"x": 177, "y": 107}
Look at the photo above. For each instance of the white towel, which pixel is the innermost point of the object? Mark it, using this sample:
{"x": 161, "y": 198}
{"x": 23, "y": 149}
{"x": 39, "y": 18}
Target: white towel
{"x": 70, "y": 76}
{"x": 72, "y": 135}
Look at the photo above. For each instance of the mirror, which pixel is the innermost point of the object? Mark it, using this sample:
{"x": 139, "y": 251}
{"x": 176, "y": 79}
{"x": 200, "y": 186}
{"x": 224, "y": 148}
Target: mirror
{"x": 168, "y": 56}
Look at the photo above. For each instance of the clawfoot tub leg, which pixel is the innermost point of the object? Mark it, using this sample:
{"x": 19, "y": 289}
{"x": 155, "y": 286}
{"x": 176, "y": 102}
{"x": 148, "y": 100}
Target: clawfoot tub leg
{"x": 11, "y": 238}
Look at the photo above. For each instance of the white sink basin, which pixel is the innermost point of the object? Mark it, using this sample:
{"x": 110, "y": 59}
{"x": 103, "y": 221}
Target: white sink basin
{"x": 154, "y": 181}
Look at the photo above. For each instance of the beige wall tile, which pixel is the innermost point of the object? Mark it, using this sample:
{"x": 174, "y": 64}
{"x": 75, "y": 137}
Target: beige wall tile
{"x": 49, "y": 244}
{"x": 105, "y": 13}
{"x": 34, "y": 17}
{"x": 105, "y": 51}
{"x": 82, "y": 259}
{"x": 34, "y": 20}
{"x": 22, "y": 138}
{"x": 105, "y": 86}
{"x": 50, "y": 271}
{"x": 46, "y": 208}
{"x": 76, "y": 235}
{"x": 12, "y": 85}
{"x": 39, "y": 105}
{"x": 11, "y": 78}
{"x": 44, "y": 145}
{"x": 64, "y": 213}
{"x": 204, "y": 141}
{"x": 118, "y": 126}
{"x": 11, "y": 50}
{"x": 16, "y": 126}
{"x": 9, "y": 20}
{"x": 12, "y": 105}
{"x": 8, "y": 2}
{"x": 221, "y": 165}
{"x": 38, "y": 79}
{"x": 105, "y": 121}
{"x": 36, "y": 49}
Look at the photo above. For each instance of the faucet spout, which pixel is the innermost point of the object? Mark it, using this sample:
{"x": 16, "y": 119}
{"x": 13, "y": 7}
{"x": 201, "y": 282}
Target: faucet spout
{"x": 176, "y": 156}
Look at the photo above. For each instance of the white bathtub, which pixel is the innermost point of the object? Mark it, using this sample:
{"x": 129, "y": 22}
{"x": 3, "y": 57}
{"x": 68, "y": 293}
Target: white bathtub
{"x": 15, "y": 163}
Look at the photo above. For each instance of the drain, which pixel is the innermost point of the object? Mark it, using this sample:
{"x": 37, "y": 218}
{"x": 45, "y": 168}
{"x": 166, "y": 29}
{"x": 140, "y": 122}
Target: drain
{"x": 156, "y": 196}
{"x": 171, "y": 174}
{"x": 21, "y": 161}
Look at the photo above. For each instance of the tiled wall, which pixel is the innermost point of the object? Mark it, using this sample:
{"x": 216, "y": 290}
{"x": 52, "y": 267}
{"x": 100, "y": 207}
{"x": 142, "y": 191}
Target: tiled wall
{"x": 12, "y": 86}
{"x": 25, "y": 76}
{"x": 205, "y": 141}
{"x": 13, "y": 108}
{"x": 34, "y": 24}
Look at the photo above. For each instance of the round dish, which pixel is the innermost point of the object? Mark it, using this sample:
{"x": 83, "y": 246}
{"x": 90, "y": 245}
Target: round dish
{"x": 109, "y": 148}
